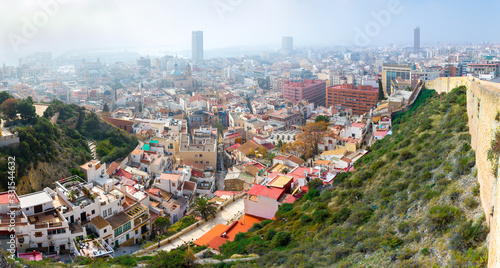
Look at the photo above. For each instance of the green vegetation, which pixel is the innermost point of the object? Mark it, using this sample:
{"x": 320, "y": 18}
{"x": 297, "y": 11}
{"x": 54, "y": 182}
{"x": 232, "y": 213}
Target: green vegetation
{"x": 322, "y": 118}
{"x": 41, "y": 141}
{"x": 204, "y": 208}
{"x": 410, "y": 203}
{"x": 111, "y": 142}
{"x": 494, "y": 153}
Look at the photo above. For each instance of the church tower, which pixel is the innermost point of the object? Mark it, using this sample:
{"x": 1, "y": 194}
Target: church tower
{"x": 188, "y": 72}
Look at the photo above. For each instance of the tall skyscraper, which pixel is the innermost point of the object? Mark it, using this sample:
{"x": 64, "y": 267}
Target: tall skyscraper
{"x": 197, "y": 43}
{"x": 287, "y": 43}
{"x": 416, "y": 39}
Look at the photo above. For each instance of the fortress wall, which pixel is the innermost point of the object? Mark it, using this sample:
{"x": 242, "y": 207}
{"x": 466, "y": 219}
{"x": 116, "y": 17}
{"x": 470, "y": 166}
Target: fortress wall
{"x": 483, "y": 103}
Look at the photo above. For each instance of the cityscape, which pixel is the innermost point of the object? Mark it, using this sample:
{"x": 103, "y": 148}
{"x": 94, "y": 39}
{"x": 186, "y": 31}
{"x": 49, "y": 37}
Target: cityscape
{"x": 283, "y": 152}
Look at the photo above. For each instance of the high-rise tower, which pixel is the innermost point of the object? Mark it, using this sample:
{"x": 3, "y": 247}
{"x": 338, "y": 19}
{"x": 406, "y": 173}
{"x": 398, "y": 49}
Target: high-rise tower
{"x": 416, "y": 39}
{"x": 197, "y": 43}
{"x": 287, "y": 43}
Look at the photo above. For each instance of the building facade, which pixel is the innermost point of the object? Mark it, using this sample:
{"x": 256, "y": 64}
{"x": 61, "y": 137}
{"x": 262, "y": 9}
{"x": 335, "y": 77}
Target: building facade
{"x": 310, "y": 90}
{"x": 360, "y": 99}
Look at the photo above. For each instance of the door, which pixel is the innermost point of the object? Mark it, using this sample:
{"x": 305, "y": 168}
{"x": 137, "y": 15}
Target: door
{"x": 116, "y": 243}
{"x": 127, "y": 237}
{"x": 51, "y": 248}
{"x": 38, "y": 209}
{"x": 83, "y": 216}
{"x": 62, "y": 247}
{"x": 72, "y": 219}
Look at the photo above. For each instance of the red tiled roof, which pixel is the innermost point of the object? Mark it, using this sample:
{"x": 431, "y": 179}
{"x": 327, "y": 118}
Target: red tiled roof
{"x": 233, "y": 135}
{"x": 5, "y": 198}
{"x": 381, "y": 133}
{"x": 189, "y": 185}
{"x": 268, "y": 146}
{"x": 128, "y": 182}
{"x": 112, "y": 168}
{"x": 233, "y": 147}
{"x": 122, "y": 173}
{"x": 360, "y": 125}
{"x": 261, "y": 190}
{"x": 196, "y": 173}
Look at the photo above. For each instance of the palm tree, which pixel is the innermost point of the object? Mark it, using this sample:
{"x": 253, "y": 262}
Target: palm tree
{"x": 204, "y": 208}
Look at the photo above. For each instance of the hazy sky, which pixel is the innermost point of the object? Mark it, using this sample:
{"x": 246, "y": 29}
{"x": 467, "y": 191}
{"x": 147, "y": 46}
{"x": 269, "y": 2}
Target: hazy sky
{"x": 71, "y": 24}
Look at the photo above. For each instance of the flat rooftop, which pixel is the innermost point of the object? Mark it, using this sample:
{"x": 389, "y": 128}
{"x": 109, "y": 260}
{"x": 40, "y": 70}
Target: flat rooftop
{"x": 34, "y": 199}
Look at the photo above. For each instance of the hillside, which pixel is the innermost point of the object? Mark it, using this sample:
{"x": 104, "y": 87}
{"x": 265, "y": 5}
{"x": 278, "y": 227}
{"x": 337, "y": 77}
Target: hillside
{"x": 48, "y": 152}
{"x": 412, "y": 202}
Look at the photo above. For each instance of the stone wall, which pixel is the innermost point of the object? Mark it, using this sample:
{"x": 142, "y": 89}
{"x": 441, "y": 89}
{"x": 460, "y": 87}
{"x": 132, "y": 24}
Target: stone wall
{"x": 483, "y": 103}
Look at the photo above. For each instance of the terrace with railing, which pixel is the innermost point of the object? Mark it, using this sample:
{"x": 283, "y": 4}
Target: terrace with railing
{"x": 76, "y": 191}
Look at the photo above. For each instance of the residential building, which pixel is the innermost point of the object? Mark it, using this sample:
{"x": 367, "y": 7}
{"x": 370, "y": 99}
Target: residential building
{"x": 360, "y": 99}
{"x": 302, "y": 89}
{"x": 198, "y": 149}
{"x": 287, "y": 117}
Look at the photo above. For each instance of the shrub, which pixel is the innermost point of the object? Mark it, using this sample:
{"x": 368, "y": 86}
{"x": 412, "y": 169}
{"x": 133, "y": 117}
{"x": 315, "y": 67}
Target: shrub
{"x": 285, "y": 208}
{"x": 406, "y": 155}
{"x": 312, "y": 193}
{"x": 320, "y": 215}
{"x": 425, "y": 251}
{"x": 341, "y": 215}
{"x": 281, "y": 239}
{"x": 315, "y": 183}
{"x": 469, "y": 234}
{"x": 470, "y": 202}
{"x": 441, "y": 217}
{"x": 403, "y": 227}
{"x": 265, "y": 222}
{"x": 239, "y": 236}
{"x": 256, "y": 226}
{"x": 305, "y": 218}
{"x": 361, "y": 216}
{"x": 270, "y": 234}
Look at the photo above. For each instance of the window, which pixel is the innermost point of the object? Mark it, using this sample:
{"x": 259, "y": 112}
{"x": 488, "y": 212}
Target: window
{"x": 105, "y": 230}
{"x": 118, "y": 231}
{"x": 93, "y": 211}
{"x": 137, "y": 231}
{"x": 105, "y": 213}
{"x": 201, "y": 155}
{"x": 109, "y": 211}
{"x": 127, "y": 226}
{"x": 38, "y": 234}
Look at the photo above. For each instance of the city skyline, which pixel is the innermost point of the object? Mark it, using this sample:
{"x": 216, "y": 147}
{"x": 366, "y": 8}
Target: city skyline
{"x": 66, "y": 25}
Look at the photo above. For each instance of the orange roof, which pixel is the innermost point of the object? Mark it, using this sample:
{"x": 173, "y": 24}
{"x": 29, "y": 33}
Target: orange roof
{"x": 214, "y": 238}
{"x": 208, "y": 236}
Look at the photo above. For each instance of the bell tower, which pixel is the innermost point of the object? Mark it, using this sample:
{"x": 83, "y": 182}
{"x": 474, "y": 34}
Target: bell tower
{"x": 188, "y": 72}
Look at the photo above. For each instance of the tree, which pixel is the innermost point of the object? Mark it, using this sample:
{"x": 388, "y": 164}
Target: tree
{"x": 381, "y": 95}
{"x": 322, "y": 118}
{"x": 219, "y": 127}
{"x": 280, "y": 144}
{"x": 49, "y": 112}
{"x": 308, "y": 140}
{"x": 9, "y": 108}
{"x": 4, "y": 96}
{"x": 162, "y": 223}
{"x": 26, "y": 108}
{"x": 204, "y": 208}
{"x": 270, "y": 156}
